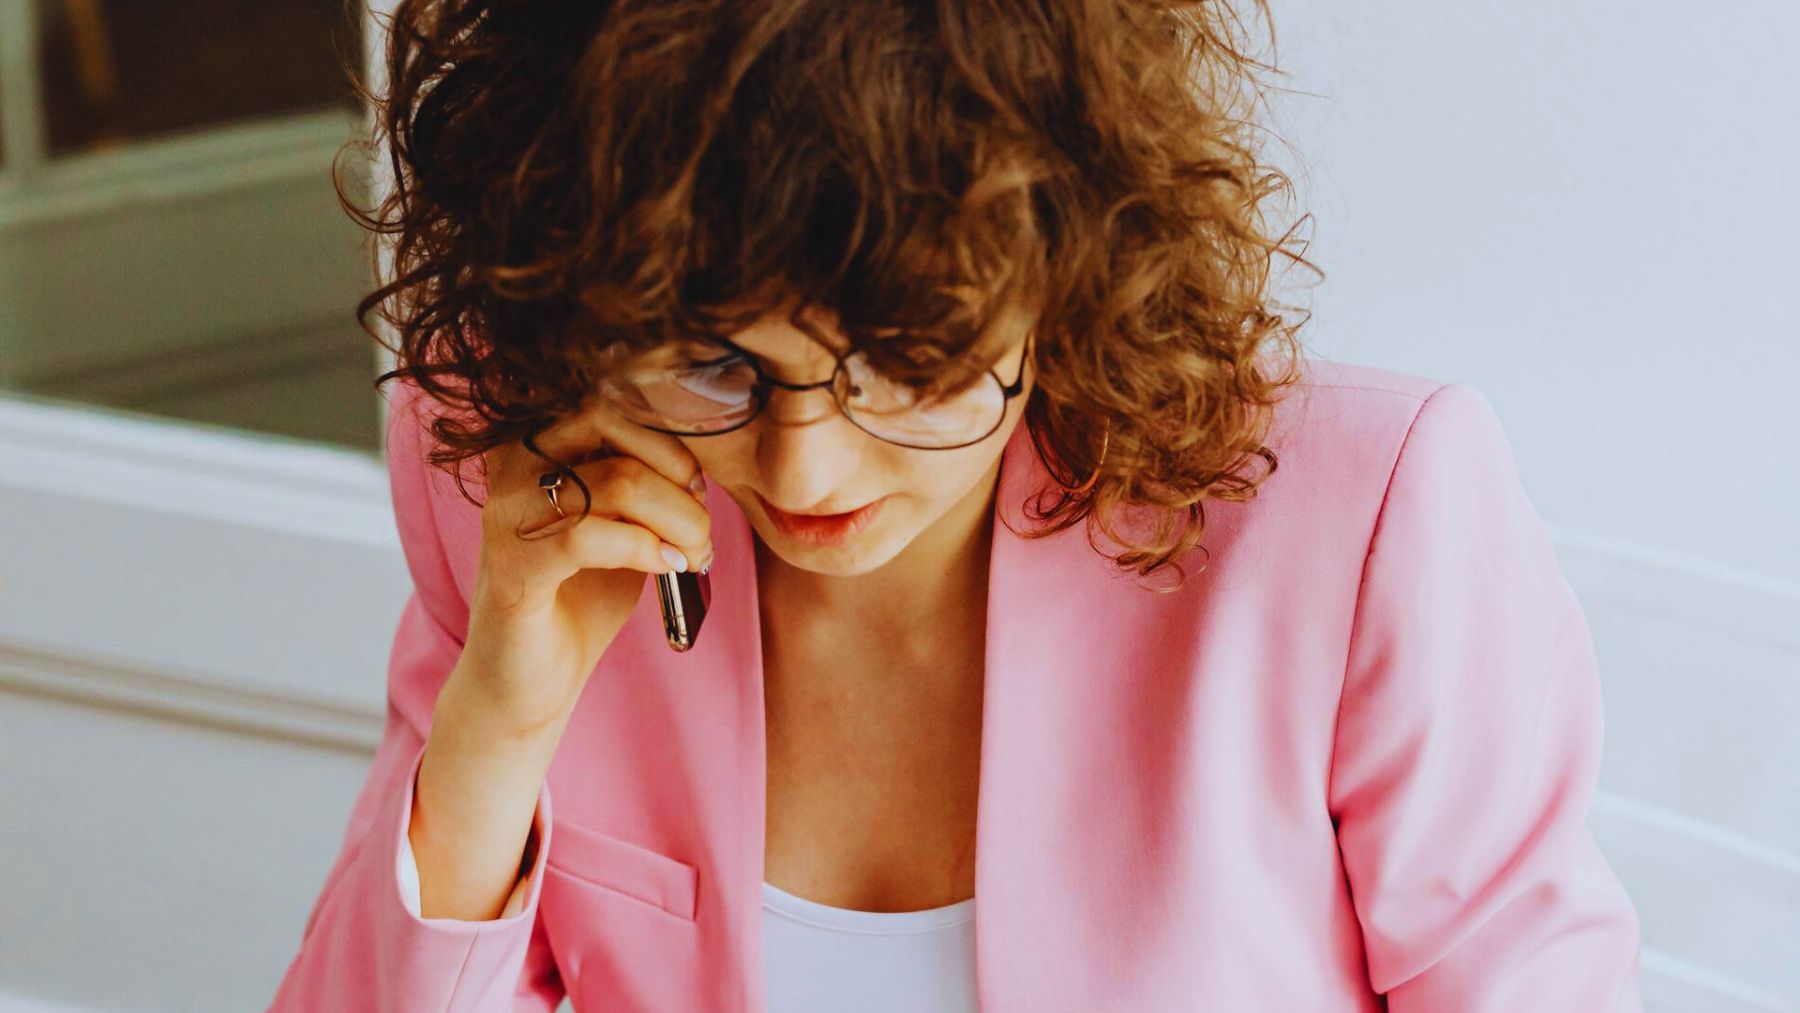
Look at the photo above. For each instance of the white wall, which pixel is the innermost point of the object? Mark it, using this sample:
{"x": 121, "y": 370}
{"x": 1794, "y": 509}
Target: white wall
{"x": 1588, "y": 210}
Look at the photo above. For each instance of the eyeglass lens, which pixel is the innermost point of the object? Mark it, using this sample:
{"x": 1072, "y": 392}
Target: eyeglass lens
{"x": 720, "y": 393}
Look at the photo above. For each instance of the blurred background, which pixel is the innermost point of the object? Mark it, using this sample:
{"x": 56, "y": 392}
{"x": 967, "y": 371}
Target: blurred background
{"x": 1584, "y": 210}
{"x": 171, "y": 244}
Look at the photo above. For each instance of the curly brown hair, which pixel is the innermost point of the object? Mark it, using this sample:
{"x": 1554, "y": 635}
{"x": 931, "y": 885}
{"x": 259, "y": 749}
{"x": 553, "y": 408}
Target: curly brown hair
{"x": 570, "y": 177}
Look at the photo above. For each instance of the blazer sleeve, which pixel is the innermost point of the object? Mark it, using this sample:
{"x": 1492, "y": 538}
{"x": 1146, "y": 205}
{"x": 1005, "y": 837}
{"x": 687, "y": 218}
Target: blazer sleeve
{"x": 409, "y": 879}
{"x": 1468, "y": 745}
{"x": 363, "y": 948}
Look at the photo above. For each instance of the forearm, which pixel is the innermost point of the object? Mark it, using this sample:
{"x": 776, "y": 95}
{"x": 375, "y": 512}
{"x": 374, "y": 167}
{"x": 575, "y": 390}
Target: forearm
{"x": 473, "y": 808}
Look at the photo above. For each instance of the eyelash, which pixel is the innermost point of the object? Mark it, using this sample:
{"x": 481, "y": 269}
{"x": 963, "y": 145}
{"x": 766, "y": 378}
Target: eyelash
{"x": 709, "y": 363}
{"x": 729, "y": 357}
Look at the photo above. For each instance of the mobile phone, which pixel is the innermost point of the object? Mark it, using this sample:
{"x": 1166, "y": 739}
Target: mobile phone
{"x": 685, "y": 597}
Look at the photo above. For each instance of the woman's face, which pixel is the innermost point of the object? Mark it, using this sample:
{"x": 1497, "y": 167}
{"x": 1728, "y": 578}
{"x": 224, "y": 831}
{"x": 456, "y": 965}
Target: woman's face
{"x": 802, "y": 455}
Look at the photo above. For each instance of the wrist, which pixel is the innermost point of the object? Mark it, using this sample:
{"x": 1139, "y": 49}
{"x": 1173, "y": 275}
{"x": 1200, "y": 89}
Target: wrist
{"x": 470, "y": 720}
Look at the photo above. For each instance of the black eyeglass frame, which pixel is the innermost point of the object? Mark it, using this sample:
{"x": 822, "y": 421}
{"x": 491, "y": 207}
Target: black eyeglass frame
{"x": 761, "y": 389}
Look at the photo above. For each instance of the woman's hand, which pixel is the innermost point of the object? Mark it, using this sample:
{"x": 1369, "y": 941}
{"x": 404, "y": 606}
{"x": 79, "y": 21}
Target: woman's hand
{"x": 550, "y": 593}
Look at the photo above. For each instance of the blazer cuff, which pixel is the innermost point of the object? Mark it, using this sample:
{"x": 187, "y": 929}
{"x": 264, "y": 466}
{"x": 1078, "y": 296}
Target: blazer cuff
{"x": 520, "y": 903}
{"x": 452, "y": 964}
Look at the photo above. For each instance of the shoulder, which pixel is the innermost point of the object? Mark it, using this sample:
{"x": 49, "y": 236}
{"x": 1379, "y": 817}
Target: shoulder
{"x": 1426, "y": 469}
{"x": 1342, "y": 399}
{"x": 1363, "y": 417}
{"x": 1349, "y": 440}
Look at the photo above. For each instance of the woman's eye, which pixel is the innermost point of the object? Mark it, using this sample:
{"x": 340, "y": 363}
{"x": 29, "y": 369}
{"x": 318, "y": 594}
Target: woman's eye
{"x": 709, "y": 363}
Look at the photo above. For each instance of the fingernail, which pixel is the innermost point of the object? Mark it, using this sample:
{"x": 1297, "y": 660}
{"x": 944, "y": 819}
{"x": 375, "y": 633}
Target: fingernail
{"x": 698, "y": 485}
{"x": 674, "y": 557}
{"x": 707, "y": 568}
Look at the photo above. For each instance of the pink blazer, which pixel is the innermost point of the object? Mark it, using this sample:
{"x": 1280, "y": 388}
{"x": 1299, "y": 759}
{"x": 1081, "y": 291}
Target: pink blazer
{"x": 1351, "y": 759}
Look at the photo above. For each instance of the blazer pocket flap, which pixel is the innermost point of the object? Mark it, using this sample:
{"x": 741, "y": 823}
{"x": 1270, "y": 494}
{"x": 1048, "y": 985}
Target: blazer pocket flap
{"x": 619, "y": 865}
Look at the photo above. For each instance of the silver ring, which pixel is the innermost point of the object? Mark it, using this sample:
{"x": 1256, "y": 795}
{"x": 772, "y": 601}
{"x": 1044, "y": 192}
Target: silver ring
{"x": 550, "y": 482}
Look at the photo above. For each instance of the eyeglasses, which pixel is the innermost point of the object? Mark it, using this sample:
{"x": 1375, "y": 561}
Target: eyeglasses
{"x": 709, "y": 397}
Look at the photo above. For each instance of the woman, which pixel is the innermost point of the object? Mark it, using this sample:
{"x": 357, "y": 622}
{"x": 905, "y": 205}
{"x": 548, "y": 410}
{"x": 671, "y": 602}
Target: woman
{"x": 683, "y": 276}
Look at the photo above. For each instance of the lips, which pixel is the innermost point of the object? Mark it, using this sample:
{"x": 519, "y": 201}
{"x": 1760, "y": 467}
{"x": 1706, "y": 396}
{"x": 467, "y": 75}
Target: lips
{"x": 819, "y": 516}
{"x": 827, "y": 529}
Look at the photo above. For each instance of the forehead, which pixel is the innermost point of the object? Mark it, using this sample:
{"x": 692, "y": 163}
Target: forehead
{"x": 778, "y": 340}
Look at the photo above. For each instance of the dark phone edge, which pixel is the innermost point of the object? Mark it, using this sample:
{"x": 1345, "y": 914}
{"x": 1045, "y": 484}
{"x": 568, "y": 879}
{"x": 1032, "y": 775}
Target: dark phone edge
{"x": 684, "y": 599}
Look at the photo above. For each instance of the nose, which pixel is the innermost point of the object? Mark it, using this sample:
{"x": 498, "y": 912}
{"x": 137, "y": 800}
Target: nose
{"x": 806, "y": 448}
{"x": 785, "y": 406}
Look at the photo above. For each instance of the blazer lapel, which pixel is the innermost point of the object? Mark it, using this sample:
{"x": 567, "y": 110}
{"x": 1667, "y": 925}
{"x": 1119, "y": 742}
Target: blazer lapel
{"x": 1052, "y": 644}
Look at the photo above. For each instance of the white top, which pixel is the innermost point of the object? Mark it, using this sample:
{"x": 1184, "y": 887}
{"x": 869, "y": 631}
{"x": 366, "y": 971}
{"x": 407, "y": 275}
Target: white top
{"x": 823, "y": 959}
{"x": 819, "y": 958}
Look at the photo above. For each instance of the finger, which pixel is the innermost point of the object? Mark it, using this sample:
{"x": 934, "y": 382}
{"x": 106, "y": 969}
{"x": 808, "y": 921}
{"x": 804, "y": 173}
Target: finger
{"x": 627, "y": 489}
{"x": 578, "y": 436}
{"x": 603, "y": 543}
{"x": 598, "y": 544}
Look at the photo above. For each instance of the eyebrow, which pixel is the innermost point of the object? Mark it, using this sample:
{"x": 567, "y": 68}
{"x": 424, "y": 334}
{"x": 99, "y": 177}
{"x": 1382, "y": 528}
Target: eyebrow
{"x": 725, "y": 344}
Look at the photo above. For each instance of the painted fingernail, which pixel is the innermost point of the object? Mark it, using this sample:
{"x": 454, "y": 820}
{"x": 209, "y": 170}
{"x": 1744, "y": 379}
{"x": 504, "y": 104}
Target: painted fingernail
{"x": 698, "y": 485}
{"x": 674, "y": 558}
{"x": 707, "y": 568}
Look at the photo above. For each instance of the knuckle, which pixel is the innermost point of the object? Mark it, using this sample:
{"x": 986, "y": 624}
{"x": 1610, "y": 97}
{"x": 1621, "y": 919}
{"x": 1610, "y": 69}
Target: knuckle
{"x": 628, "y": 474}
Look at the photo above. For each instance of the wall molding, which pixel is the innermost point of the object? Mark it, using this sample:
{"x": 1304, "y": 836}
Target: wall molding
{"x": 13, "y": 1002}
{"x": 244, "y": 154}
{"x": 51, "y": 450}
{"x": 171, "y": 696}
{"x": 1731, "y": 860}
{"x": 207, "y": 551}
{"x": 1677, "y": 986}
{"x": 1655, "y": 581}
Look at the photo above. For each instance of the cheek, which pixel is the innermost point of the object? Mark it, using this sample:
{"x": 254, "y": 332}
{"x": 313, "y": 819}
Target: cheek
{"x": 720, "y": 457}
{"x": 941, "y": 477}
